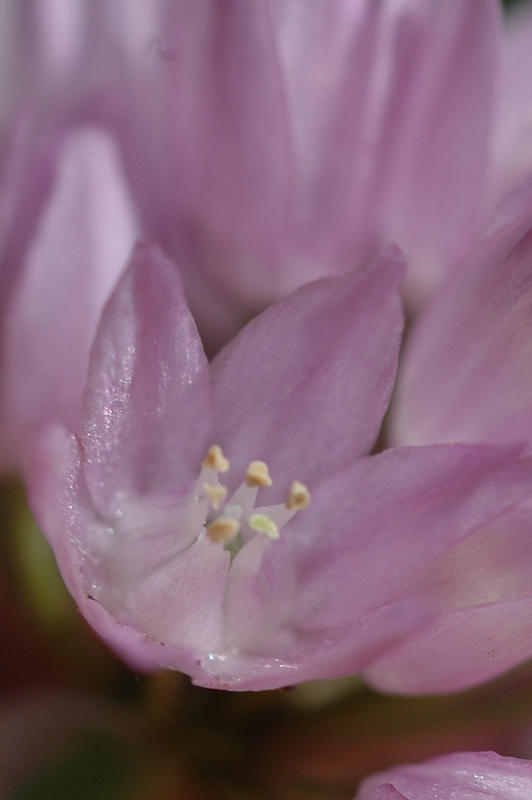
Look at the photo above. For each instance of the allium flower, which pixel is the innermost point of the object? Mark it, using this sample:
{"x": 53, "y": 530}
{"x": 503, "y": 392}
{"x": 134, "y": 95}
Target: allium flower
{"x": 461, "y": 776}
{"x": 149, "y": 469}
{"x": 159, "y": 505}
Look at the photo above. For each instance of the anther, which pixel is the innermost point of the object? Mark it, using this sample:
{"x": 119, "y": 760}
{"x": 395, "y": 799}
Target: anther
{"x": 263, "y": 524}
{"x": 298, "y": 497}
{"x": 215, "y": 493}
{"x": 215, "y": 459}
{"x": 257, "y": 474}
{"x": 222, "y": 530}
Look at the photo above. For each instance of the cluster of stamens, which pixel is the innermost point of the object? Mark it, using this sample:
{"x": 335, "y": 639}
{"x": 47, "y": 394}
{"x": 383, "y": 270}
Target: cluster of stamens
{"x": 240, "y": 514}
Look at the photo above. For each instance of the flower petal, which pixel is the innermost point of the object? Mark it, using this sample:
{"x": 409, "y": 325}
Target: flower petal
{"x": 466, "y": 372}
{"x": 72, "y": 264}
{"x": 81, "y": 541}
{"x": 349, "y": 577}
{"x": 319, "y": 361}
{"x": 434, "y": 162}
{"x": 485, "y": 776}
{"x": 329, "y": 54}
{"x": 485, "y": 593}
{"x": 146, "y": 409}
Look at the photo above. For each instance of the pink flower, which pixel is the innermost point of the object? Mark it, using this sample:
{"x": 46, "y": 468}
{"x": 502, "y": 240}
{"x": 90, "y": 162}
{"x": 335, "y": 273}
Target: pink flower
{"x": 140, "y": 457}
{"x": 486, "y": 776}
{"x": 238, "y": 590}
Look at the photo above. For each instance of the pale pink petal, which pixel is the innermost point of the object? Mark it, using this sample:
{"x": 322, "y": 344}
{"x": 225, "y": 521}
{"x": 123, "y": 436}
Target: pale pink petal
{"x": 209, "y": 150}
{"x": 68, "y": 272}
{"x": 459, "y": 650}
{"x": 86, "y": 547}
{"x": 466, "y": 371}
{"x": 471, "y": 776}
{"x": 485, "y": 627}
{"x": 329, "y": 57}
{"x": 325, "y": 354}
{"x": 146, "y": 409}
{"x": 435, "y": 152}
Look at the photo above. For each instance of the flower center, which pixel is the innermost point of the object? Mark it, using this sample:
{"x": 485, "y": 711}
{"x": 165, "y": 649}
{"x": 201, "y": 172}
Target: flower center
{"x": 233, "y": 523}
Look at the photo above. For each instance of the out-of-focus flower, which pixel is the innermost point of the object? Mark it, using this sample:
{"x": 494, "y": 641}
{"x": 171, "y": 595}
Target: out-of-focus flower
{"x": 468, "y": 776}
{"x": 69, "y": 229}
{"x": 176, "y": 565}
{"x": 269, "y": 143}
{"x": 275, "y": 142}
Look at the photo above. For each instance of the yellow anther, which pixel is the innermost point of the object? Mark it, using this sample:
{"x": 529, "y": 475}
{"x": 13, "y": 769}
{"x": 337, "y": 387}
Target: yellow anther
{"x": 298, "y": 496}
{"x": 222, "y": 530}
{"x": 263, "y": 524}
{"x": 215, "y": 493}
{"x": 257, "y": 474}
{"x": 215, "y": 459}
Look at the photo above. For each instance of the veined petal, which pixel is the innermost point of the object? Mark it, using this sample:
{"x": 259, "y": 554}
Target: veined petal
{"x": 244, "y": 160}
{"x": 329, "y": 55}
{"x": 146, "y": 408}
{"x": 326, "y": 355}
{"x": 213, "y": 113}
{"x": 435, "y": 148}
{"x": 482, "y": 776}
{"x": 484, "y": 591}
{"x": 81, "y": 245}
{"x": 466, "y": 371}
{"x": 131, "y": 608}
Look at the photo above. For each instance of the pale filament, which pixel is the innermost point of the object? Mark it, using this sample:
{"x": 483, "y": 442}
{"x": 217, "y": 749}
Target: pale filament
{"x": 234, "y": 518}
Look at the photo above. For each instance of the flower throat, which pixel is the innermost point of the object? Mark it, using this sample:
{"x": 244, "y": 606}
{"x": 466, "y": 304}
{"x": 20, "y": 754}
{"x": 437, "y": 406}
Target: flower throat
{"x": 232, "y": 523}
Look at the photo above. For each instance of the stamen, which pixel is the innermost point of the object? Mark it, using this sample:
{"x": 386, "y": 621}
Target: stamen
{"x": 263, "y": 524}
{"x": 215, "y": 459}
{"x": 257, "y": 474}
{"x": 222, "y": 530}
{"x": 215, "y": 492}
{"x": 238, "y": 514}
{"x": 298, "y": 497}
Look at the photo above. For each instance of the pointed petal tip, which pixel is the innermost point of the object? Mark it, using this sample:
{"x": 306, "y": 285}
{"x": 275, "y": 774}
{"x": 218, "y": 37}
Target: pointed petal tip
{"x": 393, "y": 253}
{"x": 392, "y": 260}
{"x": 147, "y": 402}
